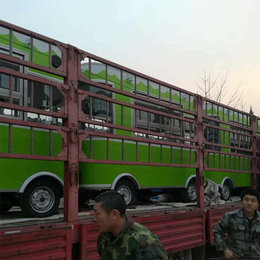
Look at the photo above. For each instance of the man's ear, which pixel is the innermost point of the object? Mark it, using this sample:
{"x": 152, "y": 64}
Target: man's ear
{"x": 115, "y": 214}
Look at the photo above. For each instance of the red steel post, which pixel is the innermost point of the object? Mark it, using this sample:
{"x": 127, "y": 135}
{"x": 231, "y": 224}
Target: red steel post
{"x": 71, "y": 166}
{"x": 199, "y": 151}
{"x": 254, "y": 149}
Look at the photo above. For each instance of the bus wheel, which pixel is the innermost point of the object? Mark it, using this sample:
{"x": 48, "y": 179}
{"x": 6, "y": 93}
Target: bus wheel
{"x": 40, "y": 199}
{"x": 225, "y": 191}
{"x": 189, "y": 194}
{"x": 4, "y": 207}
{"x": 126, "y": 189}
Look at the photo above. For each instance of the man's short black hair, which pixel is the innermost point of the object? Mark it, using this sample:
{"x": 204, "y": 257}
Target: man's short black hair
{"x": 112, "y": 200}
{"x": 252, "y": 192}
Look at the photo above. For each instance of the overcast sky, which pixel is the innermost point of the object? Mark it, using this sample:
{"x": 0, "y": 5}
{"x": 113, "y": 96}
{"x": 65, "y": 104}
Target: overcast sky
{"x": 172, "y": 40}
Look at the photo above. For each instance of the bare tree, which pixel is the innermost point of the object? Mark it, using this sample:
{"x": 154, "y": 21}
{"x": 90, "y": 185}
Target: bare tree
{"x": 217, "y": 90}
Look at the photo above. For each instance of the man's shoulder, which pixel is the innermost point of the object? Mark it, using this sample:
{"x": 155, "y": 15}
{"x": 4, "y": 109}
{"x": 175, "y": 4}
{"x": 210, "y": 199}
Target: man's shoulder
{"x": 136, "y": 227}
{"x": 234, "y": 213}
{"x": 141, "y": 239}
{"x": 100, "y": 238}
{"x": 141, "y": 234}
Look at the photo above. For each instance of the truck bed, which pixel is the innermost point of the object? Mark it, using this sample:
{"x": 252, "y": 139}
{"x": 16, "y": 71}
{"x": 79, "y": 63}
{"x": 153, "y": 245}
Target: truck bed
{"x": 15, "y": 219}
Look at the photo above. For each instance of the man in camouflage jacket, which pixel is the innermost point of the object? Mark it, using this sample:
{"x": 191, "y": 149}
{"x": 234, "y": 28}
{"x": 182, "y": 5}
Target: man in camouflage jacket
{"x": 120, "y": 237}
{"x": 242, "y": 227}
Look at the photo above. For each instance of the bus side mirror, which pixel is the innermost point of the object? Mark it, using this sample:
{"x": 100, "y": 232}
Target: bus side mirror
{"x": 55, "y": 61}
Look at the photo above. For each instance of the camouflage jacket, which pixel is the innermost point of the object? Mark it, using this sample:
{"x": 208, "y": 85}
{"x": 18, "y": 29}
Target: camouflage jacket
{"x": 243, "y": 234}
{"x": 134, "y": 242}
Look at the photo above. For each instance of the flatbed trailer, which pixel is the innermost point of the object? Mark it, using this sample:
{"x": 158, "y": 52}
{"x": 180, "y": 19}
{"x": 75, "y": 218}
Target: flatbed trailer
{"x": 193, "y": 137}
{"x": 180, "y": 229}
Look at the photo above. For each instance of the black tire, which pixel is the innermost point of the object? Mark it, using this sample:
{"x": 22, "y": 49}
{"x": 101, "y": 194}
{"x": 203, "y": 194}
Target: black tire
{"x": 40, "y": 199}
{"x": 126, "y": 189}
{"x": 225, "y": 191}
{"x": 189, "y": 194}
{"x": 4, "y": 207}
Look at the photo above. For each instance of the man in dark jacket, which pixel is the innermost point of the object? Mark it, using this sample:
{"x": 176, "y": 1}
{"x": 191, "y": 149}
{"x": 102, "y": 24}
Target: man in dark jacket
{"x": 242, "y": 227}
{"x": 121, "y": 238}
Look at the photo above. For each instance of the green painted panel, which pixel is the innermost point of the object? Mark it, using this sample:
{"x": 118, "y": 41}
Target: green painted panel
{"x": 105, "y": 173}
{"x": 41, "y": 58}
{"x": 15, "y": 171}
{"x": 20, "y": 140}
{"x": 147, "y": 176}
{"x": 239, "y": 179}
{"x": 4, "y": 138}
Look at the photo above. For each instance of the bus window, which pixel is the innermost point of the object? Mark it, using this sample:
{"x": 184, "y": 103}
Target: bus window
{"x": 9, "y": 112}
{"x": 17, "y": 86}
{"x": 98, "y": 106}
{"x": 156, "y": 122}
{"x": 238, "y": 140}
{"x": 212, "y": 135}
{"x": 46, "y": 98}
{"x": 4, "y": 79}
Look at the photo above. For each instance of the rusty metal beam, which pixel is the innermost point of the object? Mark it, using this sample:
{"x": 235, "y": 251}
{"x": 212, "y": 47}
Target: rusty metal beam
{"x": 84, "y": 54}
{"x": 85, "y": 159}
{"x": 135, "y": 96}
{"x": 254, "y": 150}
{"x": 71, "y": 166}
{"x": 33, "y": 124}
{"x": 31, "y": 65}
{"x": 32, "y": 110}
{"x": 138, "y": 130}
{"x": 224, "y": 106}
{"x": 136, "y": 139}
{"x": 33, "y": 157}
{"x": 133, "y": 106}
{"x": 225, "y": 123}
{"x": 199, "y": 150}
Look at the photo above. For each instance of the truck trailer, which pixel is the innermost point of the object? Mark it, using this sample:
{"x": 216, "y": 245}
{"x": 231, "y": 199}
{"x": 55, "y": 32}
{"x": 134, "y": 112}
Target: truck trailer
{"x": 74, "y": 124}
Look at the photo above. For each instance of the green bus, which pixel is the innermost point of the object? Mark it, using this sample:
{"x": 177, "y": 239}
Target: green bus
{"x": 129, "y": 178}
{"x": 37, "y": 185}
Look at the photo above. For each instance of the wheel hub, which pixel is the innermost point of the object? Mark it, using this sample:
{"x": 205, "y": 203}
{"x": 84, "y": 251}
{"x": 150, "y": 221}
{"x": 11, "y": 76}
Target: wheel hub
{"x": 126, "y": 193}
{"x": 192, "y": 192}
{"x": 225, "y": 192}
{"x": 42, "y": 199}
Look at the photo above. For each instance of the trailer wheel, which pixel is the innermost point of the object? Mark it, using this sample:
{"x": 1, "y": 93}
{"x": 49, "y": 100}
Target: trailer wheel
{"x": 126, "y": 189}
{"x": 4, "y": 207}
{"x": 226, "y": 191}
{"x": 40, "y": 199}
{"x": 189, "y": 194}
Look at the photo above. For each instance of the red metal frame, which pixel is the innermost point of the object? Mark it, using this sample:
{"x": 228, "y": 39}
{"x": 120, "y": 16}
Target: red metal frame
{"x": 72, "y": 137}
{"x": 254, "y": 149}
{"x": 214, "y": 215}
{"x": 71, "y": 165}
{"x": 177, "y": 231}
{"x": 199, "y": 151}
{"x": 41, "y": 244}
{"x": 72, "y": 114}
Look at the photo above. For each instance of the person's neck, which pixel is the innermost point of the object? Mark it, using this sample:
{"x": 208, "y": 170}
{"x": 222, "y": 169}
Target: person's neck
{"x": 119, "y": 226}
{"x": 249, "y": 215}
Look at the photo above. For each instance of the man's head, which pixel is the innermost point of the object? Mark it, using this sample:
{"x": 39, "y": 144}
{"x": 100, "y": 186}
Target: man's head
{"x": 109, "y": 210}
{"x": 250, "y": 200}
